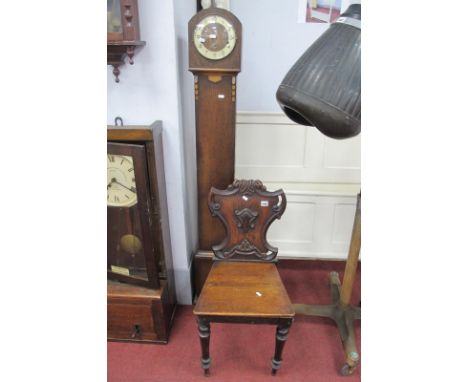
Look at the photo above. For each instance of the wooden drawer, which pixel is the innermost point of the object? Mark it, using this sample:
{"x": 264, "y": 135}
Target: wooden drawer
{"x": 130, "y": 321}
{"x": 138, "y": 314}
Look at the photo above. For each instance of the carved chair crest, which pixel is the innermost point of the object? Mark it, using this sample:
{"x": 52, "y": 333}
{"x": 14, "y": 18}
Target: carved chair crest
{"x": 246, "y": 210}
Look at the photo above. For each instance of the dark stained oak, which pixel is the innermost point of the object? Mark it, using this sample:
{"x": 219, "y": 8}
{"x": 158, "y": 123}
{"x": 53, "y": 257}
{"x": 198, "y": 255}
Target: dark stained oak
{"x": 119, "y": 290}
{"x": 215, "y": 120}
{"x": 281, "y": 335}
{"x": 198, "y": 63}
{"x": 215, "y": 92}
{"x": 246, "y": 210}
{"x": 243, "y": 285}
{"x": 138, "y": 314}
{"x": 127, "y": 41}
{"x": 259, "y": 291}
{"x": 204, "y": 331}
{"x": 129, "y": 134}
{"x": 202, "y": 263}
{"x": 150, "y": 303}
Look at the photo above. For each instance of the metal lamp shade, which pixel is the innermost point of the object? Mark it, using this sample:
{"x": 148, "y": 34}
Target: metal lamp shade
{"x": 323, "y": 88}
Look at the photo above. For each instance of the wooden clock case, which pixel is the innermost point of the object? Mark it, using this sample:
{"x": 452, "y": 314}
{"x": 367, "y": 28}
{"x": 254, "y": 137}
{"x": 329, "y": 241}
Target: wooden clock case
{"x": 137, "y": 313}
{"x": 215, "y": 110}
{"x": 134, "y": 247}
{"x": 215, "y": 134}
{"x": 127, "y": 41}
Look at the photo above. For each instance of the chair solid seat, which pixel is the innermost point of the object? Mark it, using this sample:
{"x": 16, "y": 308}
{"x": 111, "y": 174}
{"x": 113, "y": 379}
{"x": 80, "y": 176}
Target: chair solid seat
{"x": 243, "y": 285}
{"x": 244, "y": 289}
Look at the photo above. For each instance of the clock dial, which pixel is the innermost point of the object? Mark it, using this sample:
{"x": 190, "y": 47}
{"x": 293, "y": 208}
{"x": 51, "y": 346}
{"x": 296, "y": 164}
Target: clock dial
{"x": 121, "y": 186}
{"x": 214, "y": 37}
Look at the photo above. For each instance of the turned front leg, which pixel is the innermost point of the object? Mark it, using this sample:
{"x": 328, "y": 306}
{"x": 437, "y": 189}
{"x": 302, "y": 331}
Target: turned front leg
{"x": 204, "y": 333}
{"x": 281, "y": 336}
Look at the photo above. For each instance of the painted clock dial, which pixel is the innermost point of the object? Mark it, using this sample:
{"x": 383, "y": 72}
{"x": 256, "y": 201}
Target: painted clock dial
{"x": 214, "y": 37}
{"x": 121, "y": 186}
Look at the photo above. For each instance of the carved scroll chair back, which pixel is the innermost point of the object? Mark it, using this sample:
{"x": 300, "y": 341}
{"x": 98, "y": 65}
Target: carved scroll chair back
{"x": 243, "y": 285}
{"x": 246, "y": 210}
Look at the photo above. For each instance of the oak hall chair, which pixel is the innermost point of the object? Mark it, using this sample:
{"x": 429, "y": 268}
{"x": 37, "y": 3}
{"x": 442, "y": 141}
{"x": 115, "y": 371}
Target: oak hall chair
{"x": 243, "y": 285}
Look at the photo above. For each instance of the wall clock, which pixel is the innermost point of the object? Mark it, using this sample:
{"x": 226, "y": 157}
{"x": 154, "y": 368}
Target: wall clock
{"x": 131, "y": 256}
{"x": 123, "y": 33}
{"x": 215, "y": 37}
{"x": 136, "y": 205}
{"x": 141, "y": 289}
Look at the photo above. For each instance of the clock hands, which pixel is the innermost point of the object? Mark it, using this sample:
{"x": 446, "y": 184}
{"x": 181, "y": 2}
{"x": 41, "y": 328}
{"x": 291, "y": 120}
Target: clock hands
{"x": 132, "y": 189}
{"x": 113, "y": 180}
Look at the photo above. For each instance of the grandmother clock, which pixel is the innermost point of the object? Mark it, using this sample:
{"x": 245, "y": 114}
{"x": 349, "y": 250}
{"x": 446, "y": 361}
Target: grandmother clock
{"x": 215, "y": 60}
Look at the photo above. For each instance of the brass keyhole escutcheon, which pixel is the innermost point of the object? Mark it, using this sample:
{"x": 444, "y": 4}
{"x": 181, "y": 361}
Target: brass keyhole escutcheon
{"x": 136, "y": 331}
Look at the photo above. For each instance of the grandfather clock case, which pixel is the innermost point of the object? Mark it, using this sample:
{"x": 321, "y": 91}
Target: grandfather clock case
{"x": 215, "y": 46}
{"x": 215, "y": 39}
{"x": 141, "y": 297}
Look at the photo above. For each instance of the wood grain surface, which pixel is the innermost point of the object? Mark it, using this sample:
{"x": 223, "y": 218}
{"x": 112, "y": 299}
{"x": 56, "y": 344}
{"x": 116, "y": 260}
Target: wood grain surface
{"x": 244, "y": 289}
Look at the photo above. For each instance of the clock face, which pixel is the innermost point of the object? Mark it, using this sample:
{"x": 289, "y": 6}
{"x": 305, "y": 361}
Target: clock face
{"x": 214, "y": 37}
{"x": 121, "y": 186}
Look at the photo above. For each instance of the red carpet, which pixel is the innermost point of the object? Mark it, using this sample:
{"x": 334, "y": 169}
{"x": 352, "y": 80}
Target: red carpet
{"x": 313, "y": 351}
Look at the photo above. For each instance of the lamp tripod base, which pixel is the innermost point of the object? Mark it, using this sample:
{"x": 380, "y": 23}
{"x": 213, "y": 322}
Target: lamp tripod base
{"x": 341, "y": 311}
{"x": 344, "y": 317}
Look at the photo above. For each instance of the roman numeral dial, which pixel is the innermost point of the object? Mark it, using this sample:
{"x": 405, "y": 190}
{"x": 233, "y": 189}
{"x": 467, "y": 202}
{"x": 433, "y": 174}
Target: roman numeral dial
{"x": 121, "y": 185}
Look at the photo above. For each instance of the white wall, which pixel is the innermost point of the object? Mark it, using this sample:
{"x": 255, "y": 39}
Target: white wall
{"x": 326, "y": 176}
{"x": 272, "y": 42}
{"x": 271, "y": 147}
{"x": 149, "y": 91}
{"x": 320, "y": 176}
{"x": 184, "y": 11}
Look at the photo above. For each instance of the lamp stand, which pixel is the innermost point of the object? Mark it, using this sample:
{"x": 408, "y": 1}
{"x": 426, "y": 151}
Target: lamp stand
{"x": 340, "y": 309}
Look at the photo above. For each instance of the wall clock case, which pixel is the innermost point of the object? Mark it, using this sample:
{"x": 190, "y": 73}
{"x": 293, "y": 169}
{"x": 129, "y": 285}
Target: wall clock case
{"x": 132, "y": 254}
{"x": 123, "y": 33}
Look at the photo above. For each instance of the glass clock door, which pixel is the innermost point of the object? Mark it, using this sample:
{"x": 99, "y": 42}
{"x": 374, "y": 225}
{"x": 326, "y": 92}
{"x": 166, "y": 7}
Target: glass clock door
{"x": 114, "y": 21}
{"x": 130, "y": 252}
